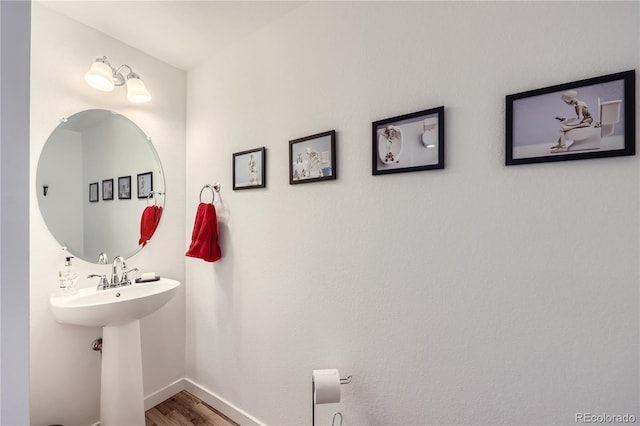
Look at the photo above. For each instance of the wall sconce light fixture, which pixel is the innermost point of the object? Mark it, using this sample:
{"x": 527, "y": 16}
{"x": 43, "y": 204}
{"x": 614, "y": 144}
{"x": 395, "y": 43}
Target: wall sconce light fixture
{"x": 103, "y": 76}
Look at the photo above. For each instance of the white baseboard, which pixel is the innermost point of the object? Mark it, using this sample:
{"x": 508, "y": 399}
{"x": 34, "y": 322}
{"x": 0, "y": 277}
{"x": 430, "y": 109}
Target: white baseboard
{"x": 225, "y": 407}
{"x": 163, "y": 394}
{"x": 222, "y": 405}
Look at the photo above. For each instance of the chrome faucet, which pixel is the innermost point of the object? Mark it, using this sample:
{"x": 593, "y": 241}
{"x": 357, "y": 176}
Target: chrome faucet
{"x": 103, "y": 259}
{"x": 114, "y": 273}
{"x": 115, "y": 281}
{"x": 124, "y": 277}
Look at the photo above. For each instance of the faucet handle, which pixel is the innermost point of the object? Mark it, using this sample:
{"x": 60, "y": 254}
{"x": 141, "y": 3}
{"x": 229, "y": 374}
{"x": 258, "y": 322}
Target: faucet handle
{"x": 125, "y": 276}
{"x": 103, "y": 283}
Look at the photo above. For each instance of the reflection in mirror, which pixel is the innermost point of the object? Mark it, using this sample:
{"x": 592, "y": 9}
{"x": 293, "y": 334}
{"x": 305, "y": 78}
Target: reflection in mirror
{"x": 88, "y": 184}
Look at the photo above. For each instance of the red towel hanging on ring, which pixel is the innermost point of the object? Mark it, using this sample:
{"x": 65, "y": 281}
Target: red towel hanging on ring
{"x": 204, "y": 238}
{"x": 149, "y": 223}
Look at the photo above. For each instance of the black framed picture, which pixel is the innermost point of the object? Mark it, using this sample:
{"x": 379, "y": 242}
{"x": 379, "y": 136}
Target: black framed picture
{"x": 409, "y": 142}
{"x": 145, "y": 184}
{"x": 107, "y": 189}
{"x": 124, "y": 188}
{"x": 93, "y": 192}
{"x": 249, "y": 169}
{"x": 312, "y": 158}
{"x": 583, "y": 119}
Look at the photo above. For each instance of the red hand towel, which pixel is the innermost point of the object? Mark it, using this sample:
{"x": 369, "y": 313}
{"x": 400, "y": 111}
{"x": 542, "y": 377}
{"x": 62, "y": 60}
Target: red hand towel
{"x": 149, "y": 223}
{"x": 204, "y": 239}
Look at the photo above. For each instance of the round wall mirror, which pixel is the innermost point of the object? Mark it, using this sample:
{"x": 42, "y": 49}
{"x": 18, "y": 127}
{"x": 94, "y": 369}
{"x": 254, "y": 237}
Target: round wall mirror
{"x": 97, "y": 174}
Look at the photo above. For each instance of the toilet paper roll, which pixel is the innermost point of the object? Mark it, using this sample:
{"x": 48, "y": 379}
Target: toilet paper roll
{"x": 326, "y": 386}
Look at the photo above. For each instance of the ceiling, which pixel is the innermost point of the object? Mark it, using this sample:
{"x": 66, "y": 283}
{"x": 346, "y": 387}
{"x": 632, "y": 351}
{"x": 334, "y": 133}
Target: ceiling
{"x": 182, "y": 33}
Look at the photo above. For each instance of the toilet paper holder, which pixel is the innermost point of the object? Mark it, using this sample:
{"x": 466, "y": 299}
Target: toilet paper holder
{"x": 343, "y": 381}
{"x": 333, "y": 422}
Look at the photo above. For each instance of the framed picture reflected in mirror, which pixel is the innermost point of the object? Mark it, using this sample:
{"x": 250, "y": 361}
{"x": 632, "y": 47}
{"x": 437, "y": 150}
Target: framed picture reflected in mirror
{"x": 145, "y": 184}
{"x": 93, "y": 192}
{"x": 107, "y": 189}
{"x": 124, "y": 188}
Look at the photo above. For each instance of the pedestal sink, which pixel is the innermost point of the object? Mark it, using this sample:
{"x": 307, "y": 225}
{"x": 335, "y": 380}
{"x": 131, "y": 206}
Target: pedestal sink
{"x": 118, "y": 312}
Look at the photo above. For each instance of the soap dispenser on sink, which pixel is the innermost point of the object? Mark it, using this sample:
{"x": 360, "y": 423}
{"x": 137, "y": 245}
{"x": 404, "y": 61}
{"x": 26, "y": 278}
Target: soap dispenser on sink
{"x": 68, "y": 277}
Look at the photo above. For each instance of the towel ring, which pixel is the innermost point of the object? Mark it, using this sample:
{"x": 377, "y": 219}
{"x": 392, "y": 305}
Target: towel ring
{"x": 153, "y": 194}
{"x": 214, "y": 188}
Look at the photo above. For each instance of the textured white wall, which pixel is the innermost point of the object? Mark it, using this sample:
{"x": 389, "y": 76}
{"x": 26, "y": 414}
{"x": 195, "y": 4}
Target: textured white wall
{"x": 477, "y": 294}
{"x": 65, "y": 372}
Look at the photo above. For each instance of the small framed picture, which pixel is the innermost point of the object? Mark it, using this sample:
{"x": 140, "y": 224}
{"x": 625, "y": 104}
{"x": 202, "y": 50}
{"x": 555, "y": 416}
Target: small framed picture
{"x": 583, "y": 119}
{"x": 107, "y": 189}
{"x": 145, "y": 184}
{"x": 249, "y": 169}
{"x": 312, "y": 158}
{"x": 93, "y": 192}
{"x": 409, "y": 142}
{"x": 124, "y": 188}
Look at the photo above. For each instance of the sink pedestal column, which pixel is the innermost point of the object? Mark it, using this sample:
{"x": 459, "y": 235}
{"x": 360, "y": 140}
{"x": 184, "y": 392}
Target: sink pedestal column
{"x": 121, "y": 392}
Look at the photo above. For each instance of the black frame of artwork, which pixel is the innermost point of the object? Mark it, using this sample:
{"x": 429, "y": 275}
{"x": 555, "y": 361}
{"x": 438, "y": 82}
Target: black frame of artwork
{"x": 540, "y": 108}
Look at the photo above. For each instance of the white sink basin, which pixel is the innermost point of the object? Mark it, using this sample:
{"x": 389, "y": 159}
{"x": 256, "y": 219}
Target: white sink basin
{"x": 99, "y": 308}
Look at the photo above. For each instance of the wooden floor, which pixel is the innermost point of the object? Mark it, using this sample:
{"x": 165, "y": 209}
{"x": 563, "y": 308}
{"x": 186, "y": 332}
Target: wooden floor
{"x": 184, "y": 409}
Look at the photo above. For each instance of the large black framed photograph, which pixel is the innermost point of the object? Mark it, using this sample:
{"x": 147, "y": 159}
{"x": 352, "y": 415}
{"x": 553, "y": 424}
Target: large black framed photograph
{"x": 93, "y": 192}
{"x": 249, "y": 169}
{"x": 145, "y": 184}
{"x": 409, "y": 142}
{"x": 589, "y": 118}
{"x": 107, "y": 189}
{"x": 124, "y": 188}
{"x": 312, "y": 158}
